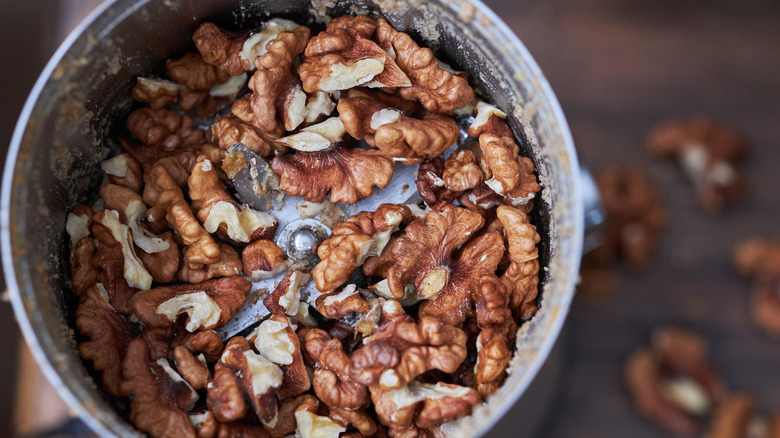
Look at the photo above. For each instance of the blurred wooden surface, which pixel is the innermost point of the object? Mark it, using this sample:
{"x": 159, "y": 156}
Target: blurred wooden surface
{"x": 618, "y": 67}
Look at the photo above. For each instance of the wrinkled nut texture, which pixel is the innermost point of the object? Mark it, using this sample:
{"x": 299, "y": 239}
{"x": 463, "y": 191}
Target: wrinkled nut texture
{"x": 221, "y": 48}
{"x": 758, "y": 258}
{"x": 358, "y": 419}
{"x": 241, "y": 373}
{"x": 286, "y": 297}
{"x": 193, "y": 369}
{"x": 109, "y": 334}
{"x": 355, "y": 240}
{"x": 285, "y": 424}
{"x": 83, "y": 271}
{"x": 109, "y": 259}
{"x": 207, "y": 426}
{"x": 205, "y": 342}
{"x": 499, "y": 155}
{"x": 461, "y": 171}
{"x": 488, "y": 119}
{"x": 363, "y": 111}
{"x": 208, "y": 305}
{"x": 521, "y": 278}
{"x": 438, "y": 90}
{"x": 194, "y": 73}
{"x": 423, "y": 405}
{"x": 493, "y": 356}
{"x": 263, "y": 259}
{"x": 229, "y": 264}
{"x": 431, "y": 186}
{"x": 348, "y": 174}
{"x": 230, "y": 130}
{"x": 314, "y": 138}
{"x": 124, "y": 170}
{"x": 709, "y": 153}
{"x": 156, "y": 92}
{"x": 401, "y": 349}
{"x": 635, "y": 216}
{"x": 135, "y": 273}
{"x": 310, "y": 425}
{"x": 332, "y": 382}
{"x": 160, "y": 398}
{"x": 344, "y": 303}
{"x": 277, "y": 341}
{"x": 273, "y": 73}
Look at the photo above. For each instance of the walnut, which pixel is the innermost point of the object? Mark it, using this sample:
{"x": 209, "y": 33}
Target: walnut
{"x": 499, "y": 157}
{"x": 401, "y": 349}
{"x": 177, "y": 162}
{"x": 207, "y": 426}
{"x": 231, "y": 129}
{"x": 396, "y": 128}
{"x": 758, "y": 259}
{"x": 461, "y": 171}
{"x": 320, "y": 137}
{"x": 362, "y": 236}
{"x": 167, "y": 201}
{"x": 111, "y": 232}
{"x": 286, "y": 297}
{"x": 277, "y": 341}
{"x": 493, "y": 356}
{"x": 285, "y": 423}
{"x": 124, "y": 170}
{"x": 83, "y": 271}
{"x": 208, "y": 305}
{"x": 318, "y": 106}
{"x": 132, "y": 209}
{"x": 273, "y": 75}
{"x": 309, "y": 425}
{"x": 163, "y": 129}
{"x": 229, "y": 264}
{"x": 219, "y": 212}
{"x": 192, "y": 368}
{"x": 422, "y": 405}
{"x": 78, "y": 223}
{"x": 438, "y": 90}
{"x": 109, "y": 334}
{"x": 341, "y": 57}
{"x": 354, "y": 419}
{"x": 488, "y": 119}
{"x": 672, "y": 383}
{"x": 521, "y": 278}
{"x": 444, "y": 277}
{"x": 109, "y": 259}
{"x": 708, "y": 152}
{"x": 162, "y": 265}
{"x": 732, "y": 417}
{"x": 635, "y": 216}
{"x": 344, "y": 303}
{"x": 194, "y": 73}
{"x": 205, "y": 342}
{"x": 332, "y": 381}
{"x": 349, "y": 174}
{"x": 243, "y": 374}
{"x": 160, "y": 397}
{"x": 263, "y": 259}
{"x": 156, "y": 92}
{"x": 431, "y": 187}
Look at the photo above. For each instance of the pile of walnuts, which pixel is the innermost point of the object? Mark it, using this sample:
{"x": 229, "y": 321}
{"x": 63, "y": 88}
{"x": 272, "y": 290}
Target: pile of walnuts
{"x": 167, "y": 254}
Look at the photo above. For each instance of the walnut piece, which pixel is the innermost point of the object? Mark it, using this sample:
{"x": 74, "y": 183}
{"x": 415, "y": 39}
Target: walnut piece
{"x": 322, "y": 136}
{"x": 431, "y": 187}
{"x": 208, "y": 305}
{"x": 229, "y": 264}
{"x": 488, "y": 119}
{"x": 194, "y": 73}
{"x": 162, "y": 265}
{"x": 286, "y": 297}
{"x": 461, "y": 171}
{"x": 156, "y": 92}
{"x": 134, "y": 271}
{"x": 332, "y": 381}
{"x": 438, "y": 90}
{"x": 708, "y": 152}
{"x": 758, "y": 259}
{"x": 344, "y": 303}
{"x": 732, "y": 417}
{"x": 193, "y": 369}
{"x": 353, "y": 241}
{"x": 521, "y": 278}
{"x": 231, "y": 129}
{"x": 205, "y": 342}
{"x": 672, "y": 383}
{"x": 348, "y": 174}
{"x": 635, "y": 216}
{"x": 83, "y": 271}
{"x": 124, "y": 170}
{"x": 263, "y": 259}
{"x": 401, "y": 349}
{"x": 273, "y": 75}
{"x": 159, "y": 396}
{"x": 277, "y": 341}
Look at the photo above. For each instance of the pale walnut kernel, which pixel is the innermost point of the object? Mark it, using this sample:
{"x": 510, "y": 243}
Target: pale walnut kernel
{"x": 276, "y": 340}
{"x": 489, "y": 119}
{"x": 156, "y": 92}
{"x": 135, "y": 273}
{"x": 124, "y": 170}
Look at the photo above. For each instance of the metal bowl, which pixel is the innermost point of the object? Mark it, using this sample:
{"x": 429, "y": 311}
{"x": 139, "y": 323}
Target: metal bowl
{"x": 83, "y": 95}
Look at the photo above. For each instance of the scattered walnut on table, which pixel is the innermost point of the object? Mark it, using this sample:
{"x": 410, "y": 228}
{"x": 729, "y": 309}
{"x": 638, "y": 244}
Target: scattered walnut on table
{"x": 709, "y": 153}
{"x": 635, "y": 216}
{"x": 759, "y": 260}
{"x": 672, "y": 383}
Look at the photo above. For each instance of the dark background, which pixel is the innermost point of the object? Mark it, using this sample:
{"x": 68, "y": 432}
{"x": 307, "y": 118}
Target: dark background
{"x": 618, "y": 67}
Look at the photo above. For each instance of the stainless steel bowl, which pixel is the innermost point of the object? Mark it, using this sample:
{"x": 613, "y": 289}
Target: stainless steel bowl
{"x": 83, "y": 95}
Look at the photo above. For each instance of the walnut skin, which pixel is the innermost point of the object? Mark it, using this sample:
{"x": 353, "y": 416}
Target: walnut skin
{"x": 350, "y": 419}
{"x": 221, "y": 48}
{"x": 109, "y": 334}
{"x": 278, "y": 342}
{"x": 351, "y": 242}
{"x": 672, "y": 383}
{"x": 438, "y": 90}
{"x": 285, "y": 424}
{"x": 285, "y": 299}
{"x": 709, "y": 152}
{"x": 349, "y": 174}
{"x": 159, "y": 403}
{"x": 263, "y": 259}
{"x": 229, "y": 264}
{"x": 194, "y": 73}
{"x": 635, "y": 216}
{"x": 164, "y": 129}
{"x": 205, "y": 342}
{"x": 493, "y": 356}
{"x": 273, "y": 74}
{"x": 401, "y": 349}
{"x": 124, "y": 170}
{"x": 431, "y": 186}
{"x": 207, "y": 426}
{"x": 332, "y": 381}
{"x": 239, "y": 375}
{"x": 521, "y": 278}
{"x": 461, "y": 171}
{"x": 358, "y": 106}
{"x": 167, "y": 201}
{"x": 190, "y": 367}
{"x": 209, "y": 305}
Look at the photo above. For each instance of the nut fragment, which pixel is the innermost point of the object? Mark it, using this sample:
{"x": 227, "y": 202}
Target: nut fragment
{"x": 192, "y": 368}
{"x": 83, "y": 271}
{"x": 109, "y": 334}
{"x": 208, "y": 305}
{"x": 135, "y": 273}
{"x": 461, "y": 171}
{"x": 732, "y": 418}
{"x": 358, "y": 419}
{"x": 438, "y": 90}
{"x": 310, "y": 425}
{"x": 124, "y": 170}
{"x": 243, "y": 374}
{"x": 276, "y": 340}
{"x": 229, "y": 264}
{"x": 157, "y": 92}
{"x": 231, "y": 129}
{"x": 159, "y": 396}
{"x": 489, "y": 119}
{"x": 521, "y": 278}
{"x": 709, "y": 153}
{"x": 163, "y": 129}
{"x": 273, "y": 74}
{"x": 205, "y": 342}
{"x": 672, "y": 383}
{"x": 344, "y": 303}
{"x": 263, "y": 259}
{"x": 194, "y": 73}
{"x": 332, "y": 381}
{"x": 759, "y": 259}
{"x": 286, "y": 297}
{"x": 635, "y": 216}
{"x": 162, "y": 265}
{"x": 431, "y": 187}
{"x": 423, "y": 405}
{"x": 285, "y": 423}
{"x": 319, "y": 137}
{"x": 349, "y": 174}
{"x": 352, "y": 242}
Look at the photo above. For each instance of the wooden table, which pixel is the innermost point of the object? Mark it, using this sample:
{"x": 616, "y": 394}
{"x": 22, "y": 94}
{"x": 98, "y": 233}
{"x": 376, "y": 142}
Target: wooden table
{"x": 618, "y": 67}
